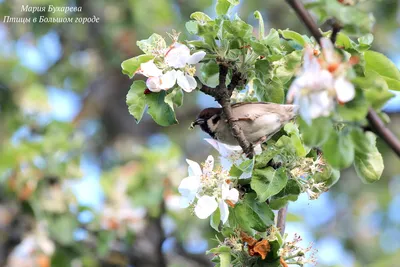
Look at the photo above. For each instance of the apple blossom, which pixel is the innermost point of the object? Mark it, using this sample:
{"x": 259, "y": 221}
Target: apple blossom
{"x": 122, "y": 216}
{"x": 232, "y": 155}
{"x": 33, "y": 247}
{"x": 207, "y": 190}
{"x": 321, "y": 83}
{"x": 175, "y": 66}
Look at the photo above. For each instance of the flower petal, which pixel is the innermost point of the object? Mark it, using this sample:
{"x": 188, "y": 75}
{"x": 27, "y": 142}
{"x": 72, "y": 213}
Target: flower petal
{"x": 177, "y": 56}
{"x": 194, "y": 168}
{"x": 188, "y": 188}
{"x": 208, "y": 165}
{"x": 168, "y": 79}
{"x": 182, "y": 81}
{"x": 196, "y": 57}
{"x": 224, "y": 211}
{"x": 192, "y": 83}
{"x": 230, "y": 194}
{"x": 149, "y": 69}
{"x": 310, "y": 63}
{"x": 153, "y": 84}
{"x": 344, "y": 90}
{"x": 206, "y": 205}
{"x": 328, "y": 50}
{"x": 321, "y": 104}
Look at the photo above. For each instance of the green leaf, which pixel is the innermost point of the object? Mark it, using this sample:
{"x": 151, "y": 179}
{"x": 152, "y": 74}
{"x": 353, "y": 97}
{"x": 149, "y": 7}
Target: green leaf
{"x": 200, "y": 17}
{"x": 225, "y": 259}
{"x": 268, "y": 182}
{"x": 317, "y": 133}
{"x": 262, "y": 209}
{"x": 294, "y": 134}
{"x": 215, "y": 220}
{"x": 136, "y": 100}
{"x": 222, "y": 7}
{"x": 288, "y": 65}
{"x": 375, "y": 89}
{"x": 250, "y": 214}
{"x": 356, "y": 109}
{"x": 290, "y": 192}
{"x": 130, "y": 66}
{"x": 236, "y": 28}
{"x": 265, "y": 157}
{"x": 219, "y": 249}
{"x": 104, "y": 241}
{"x": 192, "y": 27}
{"x": 243, "y": 170}
{"x": 288, "y": 34}
{"x": 380, "y": 64}
{"x": 272, "y": 39}
{"x": 271, "y": 92}
{"x": 342, "y": 40}
{"x": 328, "y": 176}
{"x": 258, "y": 16}
{"x": 209, "y": 73}
{"x": 339, "y": 150}
{"x": 62, "y": 229}
{"x": 155, "y": 41}
{"x": 161, "y": 112}
{"x": 174, "y": 97}
{"x": 368, "y": 161}
{"x": 365, "y": 41}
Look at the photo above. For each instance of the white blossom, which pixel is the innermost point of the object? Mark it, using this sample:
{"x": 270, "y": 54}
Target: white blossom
{"x": 34, "y": 248}
{"x": 175, "y": 66}
{"x": 232, "y": 155}
{"x": 321, "y": 83}
{"x": 208, "y": 189}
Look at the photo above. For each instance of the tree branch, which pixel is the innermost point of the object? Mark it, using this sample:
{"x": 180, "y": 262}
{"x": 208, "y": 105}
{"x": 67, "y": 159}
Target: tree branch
{"x": 222, "y": 95}
{"x": 281, "y": 221}
{"x": 373, "y": 118}
{"x": 379, "y": 127}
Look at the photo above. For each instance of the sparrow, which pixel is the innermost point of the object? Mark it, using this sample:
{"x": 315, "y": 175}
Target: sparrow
{"x": 259, "y": 121}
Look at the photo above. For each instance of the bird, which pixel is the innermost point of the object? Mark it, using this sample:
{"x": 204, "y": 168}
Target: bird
{"x": 259, "y": 121}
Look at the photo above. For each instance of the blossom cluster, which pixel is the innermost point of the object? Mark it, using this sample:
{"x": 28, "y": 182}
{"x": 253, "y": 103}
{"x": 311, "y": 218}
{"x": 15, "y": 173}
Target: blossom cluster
{"x": 170, "y": 66}
{"x": 118, "y": 214}
{"x": 321, "y": 83}
{"x": 304, "y": 172}
{"x": 35, "y": 249}
{"x": 207, "y": 190}
{"x": 292, "y": 253}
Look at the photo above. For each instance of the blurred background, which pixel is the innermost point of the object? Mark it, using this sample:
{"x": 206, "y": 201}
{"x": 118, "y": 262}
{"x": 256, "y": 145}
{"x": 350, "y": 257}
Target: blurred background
{"x": 81, "y": 184}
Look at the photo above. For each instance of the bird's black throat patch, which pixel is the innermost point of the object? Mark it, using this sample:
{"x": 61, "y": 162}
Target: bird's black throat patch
{"x": 205, "y": 128}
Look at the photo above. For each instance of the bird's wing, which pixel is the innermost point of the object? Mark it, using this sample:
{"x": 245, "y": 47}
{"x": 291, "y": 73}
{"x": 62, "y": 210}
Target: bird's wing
{"x": 253, "y": 110}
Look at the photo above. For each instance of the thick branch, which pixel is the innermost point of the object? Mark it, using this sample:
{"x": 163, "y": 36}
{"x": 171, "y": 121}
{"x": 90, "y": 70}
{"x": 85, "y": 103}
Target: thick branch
{"x": 281, "y": 221}
{"x": 373, "y": 119}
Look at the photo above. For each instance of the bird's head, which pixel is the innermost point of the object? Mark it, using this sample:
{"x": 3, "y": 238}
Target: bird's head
{"x": 208, "y": 119}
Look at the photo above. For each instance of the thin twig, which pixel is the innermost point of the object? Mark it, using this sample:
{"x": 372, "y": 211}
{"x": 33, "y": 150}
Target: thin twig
{"x": 336, "y": 28}
{"x": 379, "y": 127}
{"x": 281, "y": 221}
{"x": 376, "y": 123}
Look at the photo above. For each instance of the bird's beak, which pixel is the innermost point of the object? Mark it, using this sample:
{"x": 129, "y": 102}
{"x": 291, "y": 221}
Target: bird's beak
{"x": 198, "y": 121}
